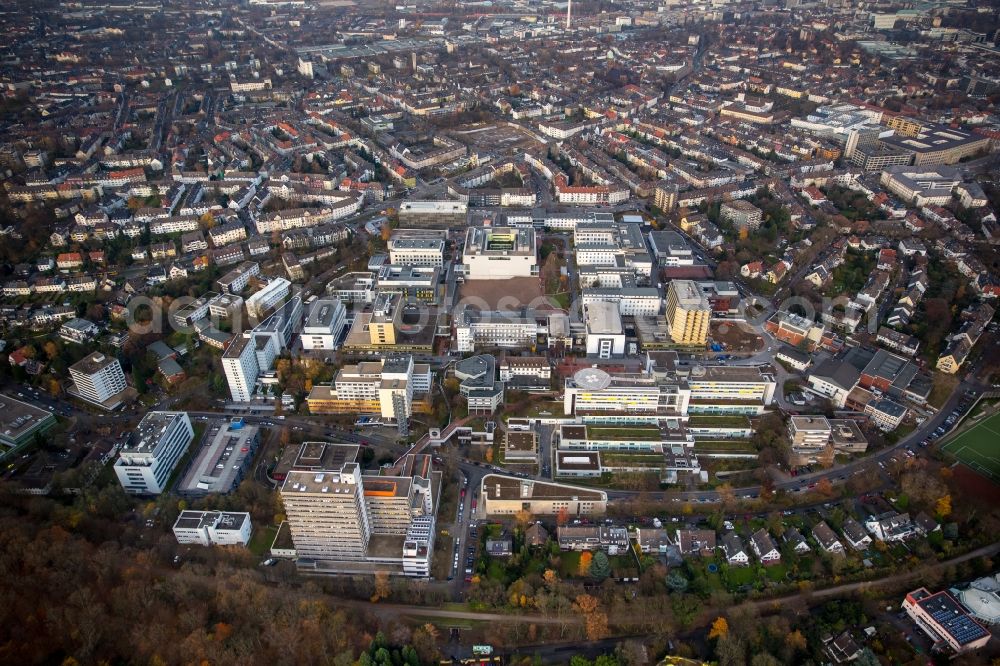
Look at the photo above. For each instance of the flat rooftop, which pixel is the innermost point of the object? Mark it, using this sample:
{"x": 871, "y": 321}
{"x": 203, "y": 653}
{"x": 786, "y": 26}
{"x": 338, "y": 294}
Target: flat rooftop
{"x": 93, "y": 363}
{"x": 150, "y": 431}
{"x": 497, "y": 487}
{"x": 321, "y": 313}
{"x": 521, "y": 441}
{"x": 18, "y": 418}
{"x": 499, "y": 241}
{"x": 329, "y": 456}
{"x": 603, "y": 318}
{"x": 408, "y": 243}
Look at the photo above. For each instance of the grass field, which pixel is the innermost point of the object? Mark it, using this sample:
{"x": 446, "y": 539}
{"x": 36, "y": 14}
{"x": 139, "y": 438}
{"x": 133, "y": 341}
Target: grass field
{"x": 979, "y": 447}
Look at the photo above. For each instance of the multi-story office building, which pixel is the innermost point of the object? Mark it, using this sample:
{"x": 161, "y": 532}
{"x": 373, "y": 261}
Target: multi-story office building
{"x": 605, "y": 333}
{"x": 433, "y": 214}
{"x": 937, "y": 144}
{"x": 594, "y": 391}
{"x": 414, "y": 283}
{"x": 418, "y": 547}
{"x": 327, "y": 514}
{"x": 239, "y": 362}
{"x": 237, "y": 279}
{"x": 386, "y": 387}
{"x": 267, "y": 297}
{"x": 213, "y": 528}
{"x": 475, "y": 329}
{"x": 607, "y": 243}
{"x": 337, "y": 514}
{"x": 99, "y": 380}
{"x": 144, "y": 464}
{"x": 631, "y": 301}
{"x": 499, "y": 253}
{"x": 507, "y": 495}
{"x": 688, "y": 313}
{"x": 810, "y": 437}
{"x": 324, "y": 324}
{"x": 729, "y": 389}
{"x": 408, "y": 251}
{"x": 387, "y": 313}
{"x": 927, "y": 186}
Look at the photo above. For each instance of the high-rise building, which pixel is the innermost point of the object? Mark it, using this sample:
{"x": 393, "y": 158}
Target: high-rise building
{"x": 327, "y": 514}
{"x": 98, "y": 379}
{"x": 239, "y": 362}
{"x": 144, "y": 464}
{"x": 337, "y": 514}
{"x": 688, "y": 313}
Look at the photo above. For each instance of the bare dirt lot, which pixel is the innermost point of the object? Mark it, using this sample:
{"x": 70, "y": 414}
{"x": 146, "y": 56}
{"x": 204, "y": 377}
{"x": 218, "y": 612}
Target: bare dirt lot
{"x": 736, "y": 337}
{"x": 493, "y": 137}
{"x": 503, "y": 294}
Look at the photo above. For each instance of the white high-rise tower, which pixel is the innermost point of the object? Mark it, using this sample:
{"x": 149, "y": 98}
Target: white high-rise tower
{"x": 569, "y": 13}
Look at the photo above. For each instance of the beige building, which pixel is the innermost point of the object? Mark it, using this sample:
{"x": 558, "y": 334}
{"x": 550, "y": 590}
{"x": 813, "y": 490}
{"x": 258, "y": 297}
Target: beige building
{"x": 742, "y": 214}
{"x": 508, "y": 495}
{"x": 327, "y": 513}
{"x": 688, "y": 313}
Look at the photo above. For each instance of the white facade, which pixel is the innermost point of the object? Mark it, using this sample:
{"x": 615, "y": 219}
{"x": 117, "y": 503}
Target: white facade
{"x": 208, "y": 528}
{"x": 418, "y": 547}
{"x": 327, "y": 513}
{"x": 416, "y": 252}
{"x": 605, "y": 333}
{"x": 268, "y": 296}
{"x": 499, "y": 253}
{"x": 323, "y": 325}
{"x": 239, "y": 362}
{"x": 98, "y": 377}
{"x": 145, "y": 463}
{"x": 634, "y": 302}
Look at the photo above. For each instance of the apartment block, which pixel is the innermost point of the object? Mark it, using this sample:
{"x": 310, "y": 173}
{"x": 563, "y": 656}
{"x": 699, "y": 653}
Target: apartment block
{"x": 99, "y": 380}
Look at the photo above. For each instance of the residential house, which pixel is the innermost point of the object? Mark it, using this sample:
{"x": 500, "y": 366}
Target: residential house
{"x": 765, "y": 548}
{"x": 891, "y": 526}
{"x": 795, "y": 540}
{"x": 855, "y": 535}
{"x": 733, "y": 549}
{"x": 827, "y": 539}
{"x": 593, "y": 537}
{"x": 696, "y": 542}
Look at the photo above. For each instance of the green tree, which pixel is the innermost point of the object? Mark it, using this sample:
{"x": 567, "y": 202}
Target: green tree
{"x": 677, "y": 582}
{"x": 600, "y": 567}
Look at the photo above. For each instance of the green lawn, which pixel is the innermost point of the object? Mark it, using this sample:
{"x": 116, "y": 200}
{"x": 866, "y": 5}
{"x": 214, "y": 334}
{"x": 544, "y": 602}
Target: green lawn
{"x": 978, "y": 447}
{"x": 262, "y": 539}
{"x": 724, "y": 421}
{"x": 569, "y": 564}
{"x": 616, "y": 433}
{"x": 776, "y": 572}
{"x": 736, "y": 576}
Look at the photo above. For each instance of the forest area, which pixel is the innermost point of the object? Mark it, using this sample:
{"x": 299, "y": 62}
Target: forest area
{"x": 80, "y": 588}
